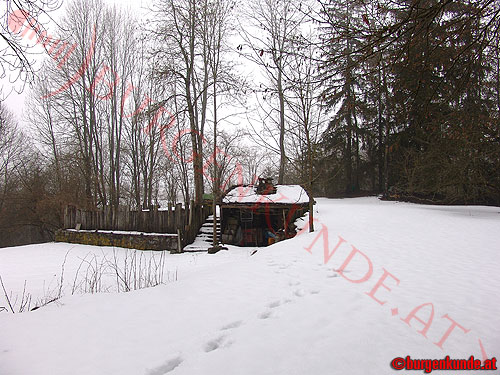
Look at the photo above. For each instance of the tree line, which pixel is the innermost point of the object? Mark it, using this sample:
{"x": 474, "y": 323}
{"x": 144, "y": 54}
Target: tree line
{"x": 415, "y": 87}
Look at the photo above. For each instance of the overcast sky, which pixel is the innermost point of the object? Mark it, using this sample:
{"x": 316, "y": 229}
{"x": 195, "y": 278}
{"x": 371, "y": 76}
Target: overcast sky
{"x": 14, "y": 94}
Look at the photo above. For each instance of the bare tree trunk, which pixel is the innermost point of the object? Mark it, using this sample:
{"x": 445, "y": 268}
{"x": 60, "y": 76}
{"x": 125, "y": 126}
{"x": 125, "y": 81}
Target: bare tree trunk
{"x": 216, "y": 182}
{"x": 310, "y": 180}
{"x": 281, "y": 97}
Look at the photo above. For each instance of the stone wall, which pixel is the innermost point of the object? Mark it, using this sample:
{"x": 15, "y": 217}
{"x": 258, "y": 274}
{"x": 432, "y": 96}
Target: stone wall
{"x": 131, "y": 240}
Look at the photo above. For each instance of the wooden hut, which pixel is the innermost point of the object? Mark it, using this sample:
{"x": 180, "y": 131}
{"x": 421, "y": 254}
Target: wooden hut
{"x": 258, "y": 215}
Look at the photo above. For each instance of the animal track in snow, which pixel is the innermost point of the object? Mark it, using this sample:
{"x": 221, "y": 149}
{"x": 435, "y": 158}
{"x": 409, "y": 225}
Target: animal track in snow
{"x": 266, "y": 314}
{"x": 278, "y": 303}
{"x": 167, "y": 367}
{"x": 299, "y": 293}
{"x": 232, "y": 325}
{"x": 274, "y": 304}
{"x": 214, "y": 344}
{"x": 315, "y": 291}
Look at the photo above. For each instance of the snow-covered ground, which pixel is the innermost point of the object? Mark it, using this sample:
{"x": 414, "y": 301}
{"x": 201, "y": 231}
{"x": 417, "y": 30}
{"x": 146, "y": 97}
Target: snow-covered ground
{"x": 406, "y": 279}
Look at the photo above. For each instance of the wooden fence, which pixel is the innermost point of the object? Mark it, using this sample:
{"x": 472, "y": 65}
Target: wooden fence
{"x": 174, "y": 219}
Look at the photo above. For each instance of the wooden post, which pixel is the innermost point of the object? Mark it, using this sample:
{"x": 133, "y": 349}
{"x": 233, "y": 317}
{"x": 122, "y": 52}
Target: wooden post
{"x": 145, "y": 227}
{"x": 156, "y": 219}
{"x": 191, "y": 212}
{"x": 78, "y": 218}
{"x": 178, "y": 216}
{"x": 101, "y": 219}
{"x": 119, "y": 220}
{"x": 285, "y": 224}
{"x": 161, "y": 221}
{"x": 170, "y": 226}
{"x": 126, "y": 219}
{"x": 66, "y": 218}
{"x": 108, "y": 217}
{"x": 179, "y": 245}
{"x": 221, "y": 218}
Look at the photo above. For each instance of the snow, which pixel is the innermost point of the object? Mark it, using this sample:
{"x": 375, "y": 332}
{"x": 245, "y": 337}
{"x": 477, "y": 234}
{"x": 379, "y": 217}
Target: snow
{"x": 280, "y": 311}
{"x": 41, "y": 267}
{"x": 285, "y": 194}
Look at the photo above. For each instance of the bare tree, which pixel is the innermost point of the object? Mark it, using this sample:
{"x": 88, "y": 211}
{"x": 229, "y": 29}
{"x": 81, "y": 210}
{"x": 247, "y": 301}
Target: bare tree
{"x": 16, "y": 51}
{"x": 185, "y": 62}
{"x": 305, "y": 110}
{"x": 143, "y": 137}
{"x": 101, "y": 110}
{"x": 268, "y": 35}
{"x": 120, "y": 44}
{"x": 11, "y": 145}
{"x": 43, "y": 116}
{"x": 216, "y": 27}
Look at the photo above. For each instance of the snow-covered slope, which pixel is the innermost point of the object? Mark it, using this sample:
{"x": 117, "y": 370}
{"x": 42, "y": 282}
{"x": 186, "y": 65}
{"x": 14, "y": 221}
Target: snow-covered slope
{"x": 282, "y": 310}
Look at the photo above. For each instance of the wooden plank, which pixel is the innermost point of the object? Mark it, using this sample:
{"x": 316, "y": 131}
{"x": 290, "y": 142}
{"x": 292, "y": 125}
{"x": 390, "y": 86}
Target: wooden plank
{"x": 170, "y": 224}
{"x": 178, "y": 216}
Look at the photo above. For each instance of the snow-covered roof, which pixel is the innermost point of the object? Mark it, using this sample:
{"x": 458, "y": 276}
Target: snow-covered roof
{"x": 285, "y": 194}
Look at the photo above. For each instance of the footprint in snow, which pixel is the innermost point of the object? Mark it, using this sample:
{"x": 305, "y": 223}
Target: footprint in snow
{"x": 278, "y": 303}
{"x": 167, "y": 367}
{"x": 315, "y": 291}
{"x": 266, "y": 314}
{"x": 274, "y": 304}
{"x": 293, "y": 283}
{"x": 232, "y": 325}
{"x": 216, "y": 344}
{"x": 299, "y": 293}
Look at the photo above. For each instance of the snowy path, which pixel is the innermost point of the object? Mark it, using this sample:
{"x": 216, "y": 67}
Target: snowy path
{"x": 283, "y": 310}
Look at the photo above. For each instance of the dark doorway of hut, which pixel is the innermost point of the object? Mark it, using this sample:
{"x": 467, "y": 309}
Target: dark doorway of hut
{"x": 247, "y": 227}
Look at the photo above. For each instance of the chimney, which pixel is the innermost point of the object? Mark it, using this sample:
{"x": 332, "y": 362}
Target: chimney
{"x": 266, "y": 186}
